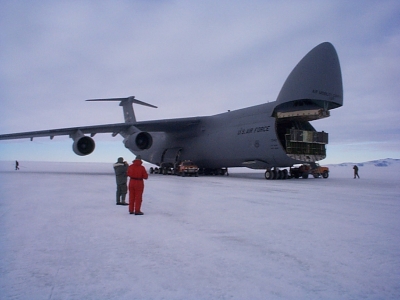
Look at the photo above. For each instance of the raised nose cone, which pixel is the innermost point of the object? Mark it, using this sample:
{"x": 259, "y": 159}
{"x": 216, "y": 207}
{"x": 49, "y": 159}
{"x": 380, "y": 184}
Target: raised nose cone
{"x": 316, "y": 77}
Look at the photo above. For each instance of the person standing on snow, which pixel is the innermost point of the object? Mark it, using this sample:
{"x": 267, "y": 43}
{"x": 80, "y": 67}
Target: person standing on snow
{"x": 356, "y": 172}
{"x": 136, "y": 173}
{"x": 120, "y": 169}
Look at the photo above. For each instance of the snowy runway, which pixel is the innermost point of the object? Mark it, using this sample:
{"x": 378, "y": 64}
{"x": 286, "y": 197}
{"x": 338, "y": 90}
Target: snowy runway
{"x": 236, "y": 237}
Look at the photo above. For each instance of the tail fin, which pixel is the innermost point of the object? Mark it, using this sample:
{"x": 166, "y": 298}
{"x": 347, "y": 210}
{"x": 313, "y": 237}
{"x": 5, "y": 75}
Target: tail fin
{"x": 127, "y": 105}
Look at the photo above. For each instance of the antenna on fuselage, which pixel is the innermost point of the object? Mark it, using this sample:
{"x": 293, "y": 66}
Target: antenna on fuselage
{"x": 127, "y": 105}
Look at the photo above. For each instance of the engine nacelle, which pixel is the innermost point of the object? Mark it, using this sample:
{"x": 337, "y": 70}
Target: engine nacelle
{"x": 139, "y": 141}
{"x": 83, "y": 145}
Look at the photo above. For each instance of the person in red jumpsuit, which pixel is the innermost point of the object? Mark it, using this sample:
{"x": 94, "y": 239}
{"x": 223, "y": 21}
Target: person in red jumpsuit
{"x": 136, "y": 173}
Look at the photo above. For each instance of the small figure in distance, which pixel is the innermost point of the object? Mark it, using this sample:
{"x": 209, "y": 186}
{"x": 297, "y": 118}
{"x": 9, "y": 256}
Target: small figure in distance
{"x": 356, "y": 172}
{"x": 120, "y": 169}
{"x": 16, "y": 165}
{"x": 136, "y": 173}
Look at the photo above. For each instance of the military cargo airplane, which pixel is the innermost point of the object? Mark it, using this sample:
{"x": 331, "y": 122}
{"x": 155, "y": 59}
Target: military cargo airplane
{"x": 270, "y": 136}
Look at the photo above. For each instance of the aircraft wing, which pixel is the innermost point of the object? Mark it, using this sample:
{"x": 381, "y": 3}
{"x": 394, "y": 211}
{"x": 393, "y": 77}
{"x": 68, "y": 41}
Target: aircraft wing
{"x": 92, "y": 130}
{"x": 167, "y": 125}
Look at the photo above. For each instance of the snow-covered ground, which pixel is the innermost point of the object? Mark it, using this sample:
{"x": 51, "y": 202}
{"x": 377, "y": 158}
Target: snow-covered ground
{"x": 215, "y": 237}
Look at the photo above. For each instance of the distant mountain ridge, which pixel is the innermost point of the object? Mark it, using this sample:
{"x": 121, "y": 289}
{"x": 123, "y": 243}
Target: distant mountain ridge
{"x": 377, "y": 163}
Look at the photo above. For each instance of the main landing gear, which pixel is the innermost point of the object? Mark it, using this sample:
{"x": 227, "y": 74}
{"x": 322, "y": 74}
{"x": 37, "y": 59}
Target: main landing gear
{"x": 275, "y": 173}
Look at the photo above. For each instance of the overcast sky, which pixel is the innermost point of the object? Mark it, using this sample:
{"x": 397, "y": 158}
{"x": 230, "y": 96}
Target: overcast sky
{"x": 191, "y": 58}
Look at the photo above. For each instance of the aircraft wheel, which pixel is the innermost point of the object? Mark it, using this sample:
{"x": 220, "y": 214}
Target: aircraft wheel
{"x": 151, "y": 170}
{"x": 269, "y": 175}
{"x": 305, "y": 175}
{"x": 285, "y": 174}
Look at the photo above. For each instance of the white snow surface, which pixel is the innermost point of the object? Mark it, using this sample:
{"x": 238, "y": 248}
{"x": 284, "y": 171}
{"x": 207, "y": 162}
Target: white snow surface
{"x": 207, "y": 237}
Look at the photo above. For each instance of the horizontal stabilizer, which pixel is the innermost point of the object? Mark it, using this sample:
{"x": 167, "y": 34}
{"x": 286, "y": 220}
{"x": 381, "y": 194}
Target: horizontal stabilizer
{"x": 127, "y": 106}
{"x": 130, "y": 99}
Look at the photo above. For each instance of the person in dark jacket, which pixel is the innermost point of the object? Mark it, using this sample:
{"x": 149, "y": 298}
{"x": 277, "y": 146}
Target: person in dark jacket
{"x": 136, "y": 173}
{"x": 120, "y": 169}
{"x": 356, "y": 172}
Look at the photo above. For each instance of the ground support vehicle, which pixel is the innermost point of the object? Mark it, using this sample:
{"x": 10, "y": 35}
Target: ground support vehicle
{"x": 305, "y": 170}
{"x": 320, "y": 171}
{"x": 187, "y": 168}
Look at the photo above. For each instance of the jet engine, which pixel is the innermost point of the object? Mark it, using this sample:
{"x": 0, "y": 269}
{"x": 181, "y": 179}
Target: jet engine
{"x": 139, "y": 141}
{"x": 83, "y": 145}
